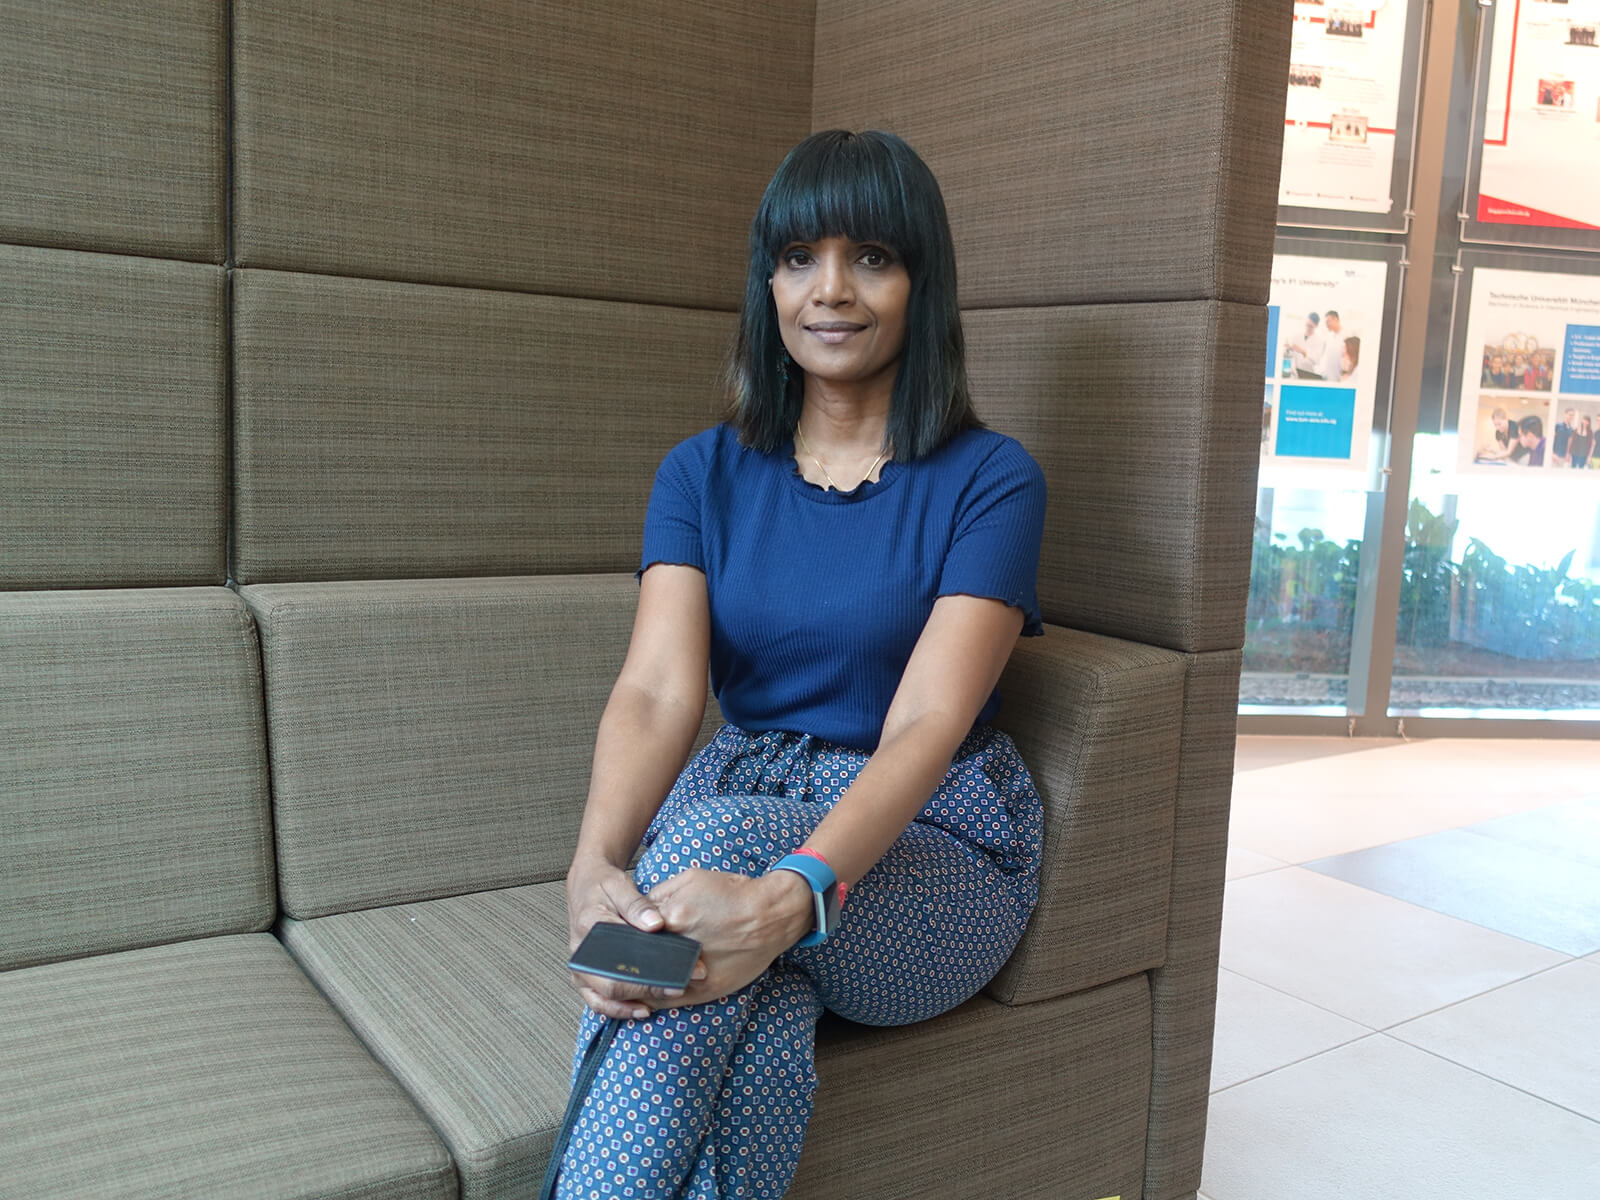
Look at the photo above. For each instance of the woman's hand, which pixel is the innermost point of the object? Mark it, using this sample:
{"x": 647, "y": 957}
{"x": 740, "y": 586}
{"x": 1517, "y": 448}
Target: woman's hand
{"x": 741, "y": 923}
{"x": 599, "y": 891}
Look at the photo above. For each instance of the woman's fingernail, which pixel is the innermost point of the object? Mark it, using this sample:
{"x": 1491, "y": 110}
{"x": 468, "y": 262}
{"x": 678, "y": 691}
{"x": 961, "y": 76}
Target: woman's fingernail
{"x": 640, "y": 1014}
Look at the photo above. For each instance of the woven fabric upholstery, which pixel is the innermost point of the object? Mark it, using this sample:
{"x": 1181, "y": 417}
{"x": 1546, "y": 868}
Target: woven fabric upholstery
{"x": 1087, "y": 153}
{"x": 466, "y": 1002}
{"x": 114, "y": 126}
{"x": 1146, "y": 419}
{"x": 133, "y": 784}
{"x": 561, "y": 148}
{"x": 391, "y": 430}
{"x": 1097, "y": 722}
{"x": 197, "y": 1071}
{"x": 433, "y": 737}
{"x": 461, "y": 999}
{"x": 1184, "y": 990}
{"x": 1041, "y": 1101}
{"x": 112, "y": 434}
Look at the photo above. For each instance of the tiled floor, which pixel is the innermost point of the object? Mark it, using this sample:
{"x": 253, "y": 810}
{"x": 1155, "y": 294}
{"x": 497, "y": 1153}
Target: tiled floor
{"x": 1409, "y": 999}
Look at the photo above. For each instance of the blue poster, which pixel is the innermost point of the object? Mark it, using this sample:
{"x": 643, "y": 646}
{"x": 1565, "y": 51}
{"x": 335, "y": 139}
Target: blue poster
{"x": 1580, "y": 361}
{"x": 1315, "y": 422}
{"x": 1272, "y": 340}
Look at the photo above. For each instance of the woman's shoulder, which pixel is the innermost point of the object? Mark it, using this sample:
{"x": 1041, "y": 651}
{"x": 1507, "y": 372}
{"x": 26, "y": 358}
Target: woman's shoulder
{"x": 987, "y": 454}
{"x": 711, "y": 455}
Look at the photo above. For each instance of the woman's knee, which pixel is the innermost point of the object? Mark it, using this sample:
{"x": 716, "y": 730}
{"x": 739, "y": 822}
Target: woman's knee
{"x": 722, "y": 833}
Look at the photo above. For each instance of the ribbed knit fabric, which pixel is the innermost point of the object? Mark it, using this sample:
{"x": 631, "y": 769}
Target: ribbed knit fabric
{"x": 818, "y": 597}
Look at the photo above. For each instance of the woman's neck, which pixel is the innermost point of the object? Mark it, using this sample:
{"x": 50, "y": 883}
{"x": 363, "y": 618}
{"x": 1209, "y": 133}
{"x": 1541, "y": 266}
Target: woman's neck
{"x": 840, "y": 440}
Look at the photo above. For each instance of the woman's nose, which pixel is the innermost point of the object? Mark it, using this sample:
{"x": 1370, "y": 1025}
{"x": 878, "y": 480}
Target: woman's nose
{"x": 833, "y": 285}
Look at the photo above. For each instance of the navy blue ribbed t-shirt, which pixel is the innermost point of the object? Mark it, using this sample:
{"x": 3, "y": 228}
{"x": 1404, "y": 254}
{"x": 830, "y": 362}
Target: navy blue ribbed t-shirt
{"x": 818, "y": 597}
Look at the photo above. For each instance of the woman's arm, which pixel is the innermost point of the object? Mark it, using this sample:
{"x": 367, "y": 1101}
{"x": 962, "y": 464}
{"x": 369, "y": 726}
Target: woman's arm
{"x": 644, "y": 738}
{"x": 953, "y": 670}
{"x": 744, "y": 924}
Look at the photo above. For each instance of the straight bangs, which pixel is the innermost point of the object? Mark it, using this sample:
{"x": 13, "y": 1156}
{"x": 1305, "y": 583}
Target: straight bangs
{"x": 852, "y": 187}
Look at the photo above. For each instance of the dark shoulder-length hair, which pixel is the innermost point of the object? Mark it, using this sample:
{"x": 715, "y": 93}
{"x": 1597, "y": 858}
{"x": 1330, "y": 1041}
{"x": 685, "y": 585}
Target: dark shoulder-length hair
{"x": 869, "y": 187}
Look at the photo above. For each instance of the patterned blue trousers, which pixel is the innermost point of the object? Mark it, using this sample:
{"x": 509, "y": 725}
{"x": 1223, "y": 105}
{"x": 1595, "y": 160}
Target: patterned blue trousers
{"x": 711, "y": 1101}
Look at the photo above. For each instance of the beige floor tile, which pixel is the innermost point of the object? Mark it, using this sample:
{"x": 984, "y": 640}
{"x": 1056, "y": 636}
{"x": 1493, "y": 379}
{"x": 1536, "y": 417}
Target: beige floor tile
{"x": 1540, "y": 1034}
{"x": 1359, "y": 954}
{"x": 1242, "y": 862}
{"x": 1260, "y": 1029}
{"x": 1378, "y": 1118}
{"x": 1252, "y": 752}
{"x": 1303, "y": 811}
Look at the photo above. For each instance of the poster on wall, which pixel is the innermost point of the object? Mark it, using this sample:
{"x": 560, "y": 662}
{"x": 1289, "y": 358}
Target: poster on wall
{"x": 1348, "y": 89}
{"x": 1538, "y": 166}
{"x": 1529, "y": 365}
{"x": 1325, "y": 322}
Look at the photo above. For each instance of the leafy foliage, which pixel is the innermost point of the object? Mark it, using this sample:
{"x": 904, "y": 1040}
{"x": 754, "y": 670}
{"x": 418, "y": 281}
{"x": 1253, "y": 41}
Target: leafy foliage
{"x": 1302, "y": 600}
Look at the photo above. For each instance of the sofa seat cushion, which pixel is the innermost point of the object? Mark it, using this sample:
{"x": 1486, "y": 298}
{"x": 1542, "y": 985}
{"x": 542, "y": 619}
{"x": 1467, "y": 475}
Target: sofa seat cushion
{"x": 201, "y": 1069}
{"x": 466, "y": 1001}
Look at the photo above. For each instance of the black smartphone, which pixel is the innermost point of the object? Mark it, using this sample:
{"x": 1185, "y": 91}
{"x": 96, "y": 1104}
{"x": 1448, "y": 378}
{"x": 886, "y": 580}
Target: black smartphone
{"x": 663, "y": 960}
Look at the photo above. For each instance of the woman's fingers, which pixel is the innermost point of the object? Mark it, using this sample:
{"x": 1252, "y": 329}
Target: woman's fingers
{"x": 634, "y": 908}
{"x": 621, "y": 1010}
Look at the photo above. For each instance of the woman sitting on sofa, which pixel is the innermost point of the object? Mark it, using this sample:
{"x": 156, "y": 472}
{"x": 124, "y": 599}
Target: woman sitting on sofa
{"x": 852, "y": 555}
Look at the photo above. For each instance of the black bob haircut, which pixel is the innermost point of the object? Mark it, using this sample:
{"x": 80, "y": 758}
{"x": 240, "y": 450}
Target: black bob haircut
{"x": 869, "y": 187}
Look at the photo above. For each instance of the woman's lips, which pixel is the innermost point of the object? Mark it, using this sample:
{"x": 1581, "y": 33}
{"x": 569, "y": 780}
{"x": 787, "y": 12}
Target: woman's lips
{"x": 834, "y": 332}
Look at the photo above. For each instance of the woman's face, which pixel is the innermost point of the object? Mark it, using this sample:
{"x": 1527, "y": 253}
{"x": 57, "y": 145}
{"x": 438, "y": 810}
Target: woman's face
{"x": 842, "y": 308}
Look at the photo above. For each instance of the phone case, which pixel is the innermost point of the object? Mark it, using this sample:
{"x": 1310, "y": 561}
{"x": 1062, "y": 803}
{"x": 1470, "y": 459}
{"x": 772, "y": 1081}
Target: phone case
{"x": 622, "y": 952}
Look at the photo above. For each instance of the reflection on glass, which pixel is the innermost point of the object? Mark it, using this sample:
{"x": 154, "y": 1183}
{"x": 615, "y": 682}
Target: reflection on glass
{"x": 1500, "y": 600}
{"x": 1303, "y": 575}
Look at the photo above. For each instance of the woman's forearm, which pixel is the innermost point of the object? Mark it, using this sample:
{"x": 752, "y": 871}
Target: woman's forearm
{"x": 886, "y": 797}
{"x": 642, "y": 743}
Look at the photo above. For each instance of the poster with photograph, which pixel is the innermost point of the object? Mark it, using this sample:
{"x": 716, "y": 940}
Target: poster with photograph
{"x": 1530, "y": 374}
{"x": 1346, "y": 68}
{"x": 1325, "y": 326}
{"x": 1541, "y": 128}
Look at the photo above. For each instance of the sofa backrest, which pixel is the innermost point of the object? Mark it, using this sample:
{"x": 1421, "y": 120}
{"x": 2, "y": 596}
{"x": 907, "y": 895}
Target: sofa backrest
{"x": 133, "y": 782}
{"x": 432, "y": 737}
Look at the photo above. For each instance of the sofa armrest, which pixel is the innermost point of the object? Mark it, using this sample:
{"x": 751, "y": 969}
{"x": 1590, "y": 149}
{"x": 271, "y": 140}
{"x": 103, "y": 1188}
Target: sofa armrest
{"x": 1097, "y": 721}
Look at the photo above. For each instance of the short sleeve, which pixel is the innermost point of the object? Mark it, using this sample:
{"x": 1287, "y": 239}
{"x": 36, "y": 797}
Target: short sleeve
{"x": 672, "y": 520}
{"x": 994, "y": 549}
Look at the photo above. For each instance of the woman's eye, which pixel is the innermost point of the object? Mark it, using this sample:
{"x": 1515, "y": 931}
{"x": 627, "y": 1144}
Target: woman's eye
{"x": 795, "y": 259}
{"x": 873, "y": 256}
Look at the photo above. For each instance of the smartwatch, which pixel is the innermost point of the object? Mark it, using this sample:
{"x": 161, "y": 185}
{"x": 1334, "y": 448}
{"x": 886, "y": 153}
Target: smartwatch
{"x": 824, "y": 892}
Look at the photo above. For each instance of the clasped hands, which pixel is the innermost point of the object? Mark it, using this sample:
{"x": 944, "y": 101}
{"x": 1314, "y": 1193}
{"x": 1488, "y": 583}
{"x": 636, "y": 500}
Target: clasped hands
{"x": 741, "y": 922}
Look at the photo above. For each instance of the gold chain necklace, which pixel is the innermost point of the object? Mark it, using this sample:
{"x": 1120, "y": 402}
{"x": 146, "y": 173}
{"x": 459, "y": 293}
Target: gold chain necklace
{"x": 806, "y": 446}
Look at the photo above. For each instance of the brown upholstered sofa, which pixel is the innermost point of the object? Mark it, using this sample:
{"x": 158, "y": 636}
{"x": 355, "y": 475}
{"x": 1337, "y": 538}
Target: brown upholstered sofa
{"x": 338, "y": 343}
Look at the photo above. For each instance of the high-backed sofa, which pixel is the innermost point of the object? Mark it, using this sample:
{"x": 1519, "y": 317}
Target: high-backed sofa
{"x": 338, "y": 344}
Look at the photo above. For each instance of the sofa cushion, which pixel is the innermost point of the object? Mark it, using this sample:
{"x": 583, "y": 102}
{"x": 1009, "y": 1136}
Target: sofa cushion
{"x": 1150, "y": 459}
{"x": 466, "y": 1002}
{"x": 433, "y": 737}
{"x": 205, "y": 1069}
{"x": 1097, "y": 721}
{"x": 571, "y": 149}
{"x": 115, "y": 129}
{"x": 133, "y": 782}
{"x": 384, "y": 430}
{"x": 985, "y": 1101}
{"x": 113, "y": 443}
